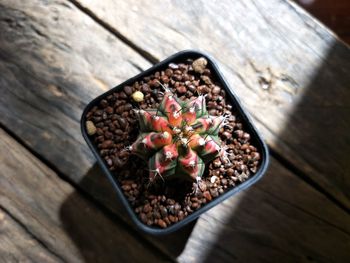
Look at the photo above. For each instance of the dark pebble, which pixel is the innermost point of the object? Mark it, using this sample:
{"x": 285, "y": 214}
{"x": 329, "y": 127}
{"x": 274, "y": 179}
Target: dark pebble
{"x": 128, "y": 90}
{"x": 143, "y": 217}
{"x": 106, "y": 144}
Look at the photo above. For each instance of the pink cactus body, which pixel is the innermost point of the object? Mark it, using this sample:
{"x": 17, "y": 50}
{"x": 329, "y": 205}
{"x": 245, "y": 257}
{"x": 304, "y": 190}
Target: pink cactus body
{"x": 178, "y": 138}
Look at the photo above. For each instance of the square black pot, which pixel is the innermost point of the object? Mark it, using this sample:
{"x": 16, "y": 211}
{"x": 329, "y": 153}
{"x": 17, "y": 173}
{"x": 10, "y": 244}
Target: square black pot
{"x": 237, "y": 108}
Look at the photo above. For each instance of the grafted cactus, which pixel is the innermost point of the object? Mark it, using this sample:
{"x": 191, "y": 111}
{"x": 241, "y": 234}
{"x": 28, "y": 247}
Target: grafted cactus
{"x": 178, "y": 138}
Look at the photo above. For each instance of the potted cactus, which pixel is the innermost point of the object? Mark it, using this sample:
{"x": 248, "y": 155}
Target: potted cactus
{"x": 174, "y": 141}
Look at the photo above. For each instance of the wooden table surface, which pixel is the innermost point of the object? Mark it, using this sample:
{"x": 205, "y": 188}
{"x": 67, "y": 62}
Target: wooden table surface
{"x": 290, "y": 72}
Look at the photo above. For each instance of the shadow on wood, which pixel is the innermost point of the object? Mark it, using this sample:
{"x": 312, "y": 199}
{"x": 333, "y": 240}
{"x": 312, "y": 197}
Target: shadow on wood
{"x": 93, "y": 239}
{"x": 284, "y": 215}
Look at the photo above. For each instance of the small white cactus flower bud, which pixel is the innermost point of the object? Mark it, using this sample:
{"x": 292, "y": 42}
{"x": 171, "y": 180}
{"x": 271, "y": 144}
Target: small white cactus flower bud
{"x": 165, "y": 135}
{"x": 137, "y": 96}
{"x": 188, "y": 129}
{"x": 176, "y": 115}
{"x": 184, "y": 141}
{"x": 192, "y": 164}
{"x": 176, "y": 130}
{"x": 201, "y": 142}
{"x": 168, "y": 155}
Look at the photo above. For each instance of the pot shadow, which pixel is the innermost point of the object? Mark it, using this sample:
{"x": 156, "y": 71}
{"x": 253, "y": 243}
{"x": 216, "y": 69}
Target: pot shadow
{"x": 292, "y": 214}
{"x": 97, "y": 226}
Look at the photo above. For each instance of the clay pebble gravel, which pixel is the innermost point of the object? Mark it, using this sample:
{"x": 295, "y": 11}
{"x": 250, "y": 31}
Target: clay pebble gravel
{"x": 116, "y": 127}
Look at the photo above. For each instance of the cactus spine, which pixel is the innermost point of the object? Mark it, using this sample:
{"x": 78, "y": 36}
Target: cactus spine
{"x": 178, "y": 138}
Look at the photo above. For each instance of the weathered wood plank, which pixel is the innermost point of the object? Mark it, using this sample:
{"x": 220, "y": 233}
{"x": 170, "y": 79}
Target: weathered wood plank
{"x": 53, "y": 60}
{"x": 290, "y": 72}
{"x": 23, "y": 116}
{"x": 279, "y": 218}
{"x": 19, "y": 246}
{"x": 53, "y": 212}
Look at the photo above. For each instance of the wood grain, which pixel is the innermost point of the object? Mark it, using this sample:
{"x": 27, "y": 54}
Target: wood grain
{"x": 278, "y": 218}
{"x": 53, "y": 61}
{"x": 19, "y": 246}
{"x": 290, "y": 72}
{"x": 51, "y": 211}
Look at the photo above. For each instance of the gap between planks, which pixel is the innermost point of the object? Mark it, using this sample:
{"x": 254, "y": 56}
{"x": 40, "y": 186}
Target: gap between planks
{"x": 105, "y": 211}
{"x": 30, "y": 234}
{"x": 146, "y": 55}
{"x": 153, "y": 59}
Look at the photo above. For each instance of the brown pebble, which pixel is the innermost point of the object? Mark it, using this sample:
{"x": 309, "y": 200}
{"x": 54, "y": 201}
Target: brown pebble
{"x": 181, "y": 215}
{"x": 195, "y": 205}
{"x": 109, "y": 110}
{"x": 128, "y": 90}
{"x": 181, "y": 89}
{"x": 147, "y": 208}
{"x": 163, "y": 211}
{"x": 202, "y": 185}
{"x": 118, "y": 162}
{"x": 106, "y": 144}
{"x": 239, "y": 133}
{"x": 104, "y": 103}
{"x": 122, "y": 122}
{"x": 161, "y": 223}
{"x": 126, "y": 187}
{"x": 143, "y": 217}
{"x": 214, "y": 192}
{"x": 207, "y": 195}
{"x": 216, "y": 90}
{"x": 230, "y": 172}
{"x": 246, "y": 136}
{"x": 166, "y": 219}
{"x": 172, "y": 218}
{"x": 227, "y": 135}
{"x": 255, "y": 155}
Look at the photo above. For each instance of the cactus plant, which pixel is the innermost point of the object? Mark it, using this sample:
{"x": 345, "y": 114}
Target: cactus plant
{"x": 178, "y": 138}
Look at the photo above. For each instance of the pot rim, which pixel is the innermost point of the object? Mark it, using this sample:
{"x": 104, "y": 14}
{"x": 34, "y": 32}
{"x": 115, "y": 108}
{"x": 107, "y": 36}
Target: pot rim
{"x": 237, "y": 108}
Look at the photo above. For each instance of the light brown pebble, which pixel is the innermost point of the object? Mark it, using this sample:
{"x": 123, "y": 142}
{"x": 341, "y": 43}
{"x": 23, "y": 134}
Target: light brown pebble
{"x": 90, "y": 127}
{"x": 137, "y": 96}
{"x": 161, "y": 223}
{"x": 199, "y": 65}
{"x": 207, "y": 195}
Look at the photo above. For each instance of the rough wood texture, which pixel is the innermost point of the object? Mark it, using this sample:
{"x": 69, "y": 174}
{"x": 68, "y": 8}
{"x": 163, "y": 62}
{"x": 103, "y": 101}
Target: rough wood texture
{"x": 19, "y": 246}
{"x": 45, "y": 209}
{"x": 290, "y": 72}
{"x": 279, "y": 218}
{"x": 54, "y": 59}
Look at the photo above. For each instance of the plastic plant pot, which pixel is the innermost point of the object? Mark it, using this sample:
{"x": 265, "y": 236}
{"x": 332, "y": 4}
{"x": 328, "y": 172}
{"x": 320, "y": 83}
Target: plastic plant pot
{"x": 256, "y": 140}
